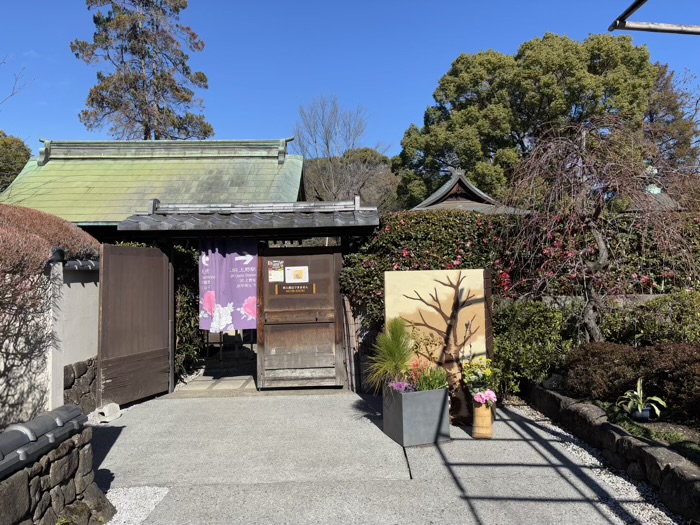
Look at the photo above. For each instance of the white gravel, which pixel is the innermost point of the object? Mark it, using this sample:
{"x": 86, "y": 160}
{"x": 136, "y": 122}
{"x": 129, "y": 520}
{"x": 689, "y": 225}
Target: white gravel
{"x": 632, "y": 498}
{"x": 134, "y": 504}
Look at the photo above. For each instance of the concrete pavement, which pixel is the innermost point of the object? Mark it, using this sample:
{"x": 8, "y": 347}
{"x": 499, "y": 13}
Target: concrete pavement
{"x": 322, "y": 458}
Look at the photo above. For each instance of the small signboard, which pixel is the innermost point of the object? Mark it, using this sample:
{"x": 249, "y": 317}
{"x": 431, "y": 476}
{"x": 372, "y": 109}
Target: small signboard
{"x": 275, "y": 271}
{"x": 288, "y": 289}
{"x": 296, "y": 274}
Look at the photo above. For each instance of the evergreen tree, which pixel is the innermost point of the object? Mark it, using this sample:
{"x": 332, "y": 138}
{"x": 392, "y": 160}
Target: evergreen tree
{"x": 148, "y": 94}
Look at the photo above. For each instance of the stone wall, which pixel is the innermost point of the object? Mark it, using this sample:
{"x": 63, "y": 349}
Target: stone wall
{"x": 79, "y": 384}
{"x": 60, "y": 485}
{"x": 676, "y": 478}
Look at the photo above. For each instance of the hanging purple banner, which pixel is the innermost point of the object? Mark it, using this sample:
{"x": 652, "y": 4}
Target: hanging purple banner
{"x": 228, "y": 285}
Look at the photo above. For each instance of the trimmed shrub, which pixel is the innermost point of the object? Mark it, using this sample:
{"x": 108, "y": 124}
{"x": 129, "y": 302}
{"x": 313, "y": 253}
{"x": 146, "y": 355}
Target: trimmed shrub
{"x": 605, "y": 371}
{"x": 675, "y": 373}
{"x": 55, "y": 231}
{"x": 671, "y": 318}
{"x": 530, "y": 342}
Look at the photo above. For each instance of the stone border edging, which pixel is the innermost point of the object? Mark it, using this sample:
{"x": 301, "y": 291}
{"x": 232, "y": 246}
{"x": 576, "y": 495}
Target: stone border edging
{"x": 676, "y": 478}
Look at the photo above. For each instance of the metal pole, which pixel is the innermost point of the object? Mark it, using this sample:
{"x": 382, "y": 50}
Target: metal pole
{"x": 656, "y": 28}
{"x": 627, "y": 13}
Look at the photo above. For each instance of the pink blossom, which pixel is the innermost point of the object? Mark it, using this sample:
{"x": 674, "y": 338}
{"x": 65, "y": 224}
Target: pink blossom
{"x": 469, "y": 244}
{"x": 456, "y": 262}
{"x": 404, "y": 252}
{"x": 449, "y": 266}
{"x": 634, "y": 276}
{"x": 479, "y": 397}
{"x": 387, "y": 229}
{"x": 403, "y": 223}
{"x": 396, "y": 266}
{"x": 250, "y": 307}
{"x": 209, "y": 302}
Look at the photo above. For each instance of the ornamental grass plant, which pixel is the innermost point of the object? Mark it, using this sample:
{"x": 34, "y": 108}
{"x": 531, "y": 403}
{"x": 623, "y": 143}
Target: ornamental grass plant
{"x": 393, "y": 353}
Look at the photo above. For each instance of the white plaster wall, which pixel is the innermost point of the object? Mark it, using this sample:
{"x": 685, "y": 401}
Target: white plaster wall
{"x": 79, "y": 315}
{"x": 27, "y": 345}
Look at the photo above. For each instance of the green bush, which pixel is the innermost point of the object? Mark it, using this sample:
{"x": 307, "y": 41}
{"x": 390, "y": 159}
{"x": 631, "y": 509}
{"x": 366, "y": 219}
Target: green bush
{"x": 671, "y": 318}
{"x": 530, "y": 342}
{"x": 605, "y": 371}
{"x": 430, "y": 240}
{"x": 454, "y": 239}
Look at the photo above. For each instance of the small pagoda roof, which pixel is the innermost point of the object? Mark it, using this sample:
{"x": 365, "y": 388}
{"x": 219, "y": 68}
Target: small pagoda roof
{"x": 460, "y": 194}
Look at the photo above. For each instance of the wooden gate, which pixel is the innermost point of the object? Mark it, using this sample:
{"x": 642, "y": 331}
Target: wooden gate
{"x": 300, "y": 326}
{"x": 136, "y": 311}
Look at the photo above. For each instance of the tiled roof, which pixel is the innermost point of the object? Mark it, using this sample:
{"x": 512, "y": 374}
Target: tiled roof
{"x": 106, "y": 182}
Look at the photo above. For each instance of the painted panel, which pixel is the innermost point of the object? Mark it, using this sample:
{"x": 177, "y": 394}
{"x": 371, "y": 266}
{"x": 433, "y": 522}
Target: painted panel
{"x": 438, "y": 303}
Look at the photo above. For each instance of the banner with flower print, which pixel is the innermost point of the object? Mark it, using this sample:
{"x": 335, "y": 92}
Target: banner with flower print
{"x": 228, "y": 285}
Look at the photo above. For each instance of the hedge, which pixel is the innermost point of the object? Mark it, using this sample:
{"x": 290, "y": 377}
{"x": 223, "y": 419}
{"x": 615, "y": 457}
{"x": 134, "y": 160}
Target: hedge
{"x": 448, "y": 239}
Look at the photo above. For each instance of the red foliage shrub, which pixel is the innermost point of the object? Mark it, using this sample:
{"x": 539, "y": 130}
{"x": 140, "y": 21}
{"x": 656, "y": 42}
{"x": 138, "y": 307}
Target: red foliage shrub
{"x": 605, "y": 371}
{"x": 27, "y": 236}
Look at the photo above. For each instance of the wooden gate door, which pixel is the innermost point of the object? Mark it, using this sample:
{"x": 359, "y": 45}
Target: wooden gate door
{"x": 136, "y": 311}
{"x": 299, "y": 329}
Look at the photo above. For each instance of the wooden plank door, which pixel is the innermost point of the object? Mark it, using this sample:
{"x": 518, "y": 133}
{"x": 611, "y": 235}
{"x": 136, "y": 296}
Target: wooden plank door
{"x": 136, "y": 310}
{"x": 299, "y": 329}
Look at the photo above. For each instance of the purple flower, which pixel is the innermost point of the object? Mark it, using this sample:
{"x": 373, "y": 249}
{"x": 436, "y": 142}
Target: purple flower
{"x": 402, "y": 386}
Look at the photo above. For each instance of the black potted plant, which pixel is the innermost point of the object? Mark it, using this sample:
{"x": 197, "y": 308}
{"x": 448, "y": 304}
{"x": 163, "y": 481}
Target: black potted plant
{"x": 639, "y": 407}
{"x": 414, "y": 391}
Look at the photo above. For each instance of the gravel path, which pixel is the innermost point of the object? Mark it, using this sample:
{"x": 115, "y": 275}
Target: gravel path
{"x": 134, "y": 504}
{"x": 636, "y": 498}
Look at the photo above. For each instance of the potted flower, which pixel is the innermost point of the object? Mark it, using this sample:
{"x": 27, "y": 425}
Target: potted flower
{"x": 480, "y": 379}
{"x": 414, "y": 391}
{"x": 639, "y": 407}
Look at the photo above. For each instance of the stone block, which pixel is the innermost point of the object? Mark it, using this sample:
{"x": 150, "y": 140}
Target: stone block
{"x": 62, "y": 450}
{"x": 635, "y": 470}
{"x": 83, "y": 438}
{"x": 88, "y": 402}
{"x": 80, "y": 368}
{"x": 72, "y": 396}
{"x": 77, "y": 513}
{"x": 14, "y": 498}
{"x": 584, "y": 420}
{"x": 82, "y": 385}
{"x": 630, "y": 448}
{"x": 680, "y": 490}
{"x": 68, "y": 377}
{"x": 44, "y": 503}
{"x": 69, "y": 492}
{"x": 609, "y": 434}
{"x": 90, "y": 374}
{"x": 614, "y": 459}
{"x": 102, "y": 509}
{"x": 657, "y": 461}
{"x": 64, "y": 468}
{"x": 49, "y": 518}
{"x": 85, "y": 464}
{"x": 45, "y": 482}
{"x": 549, "y": 403}
{"x": 34, "y": 493}
{"x": 83, "y": 482}
{"x": 34, "y": 470}
{"x": 57, "y": 499}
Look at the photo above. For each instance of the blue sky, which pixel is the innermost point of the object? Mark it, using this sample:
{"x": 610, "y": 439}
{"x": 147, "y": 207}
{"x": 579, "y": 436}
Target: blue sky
{"x": 264, "y": 59}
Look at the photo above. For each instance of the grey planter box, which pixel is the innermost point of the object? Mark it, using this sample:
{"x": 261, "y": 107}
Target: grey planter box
{"x": 416, "y": 418}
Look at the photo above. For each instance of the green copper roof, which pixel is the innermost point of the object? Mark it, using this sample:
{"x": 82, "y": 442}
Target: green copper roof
{"x": 106, "y": 182}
